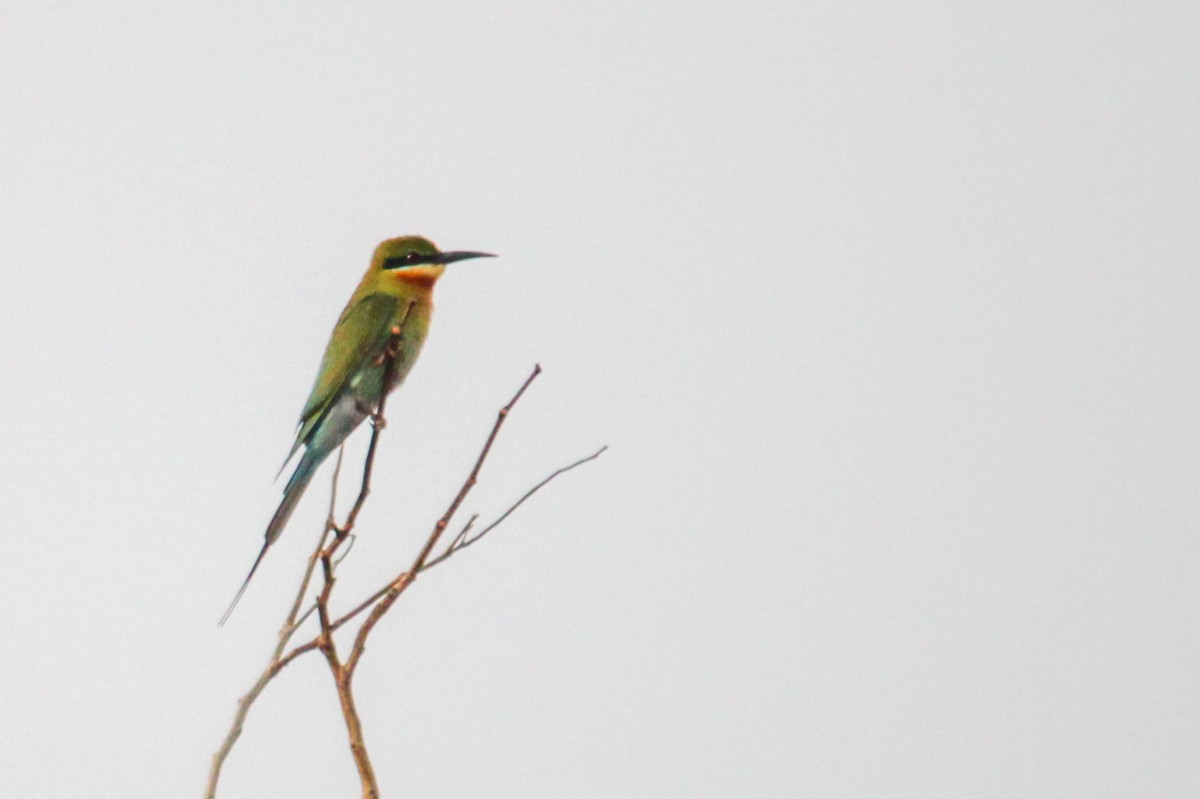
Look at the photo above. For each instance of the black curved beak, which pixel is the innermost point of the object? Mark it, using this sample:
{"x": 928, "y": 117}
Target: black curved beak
{"x": 462, "y": 255}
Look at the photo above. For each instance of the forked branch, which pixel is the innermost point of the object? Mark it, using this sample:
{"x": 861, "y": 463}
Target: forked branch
{"x": 379, "y": 603}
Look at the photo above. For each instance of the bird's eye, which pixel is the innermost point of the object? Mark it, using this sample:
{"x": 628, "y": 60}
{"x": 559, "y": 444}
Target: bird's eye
{"x": 412, "y": 258}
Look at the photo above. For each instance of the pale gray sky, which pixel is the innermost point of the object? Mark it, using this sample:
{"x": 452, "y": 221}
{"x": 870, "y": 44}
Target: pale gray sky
{"x": 887, "y": 314}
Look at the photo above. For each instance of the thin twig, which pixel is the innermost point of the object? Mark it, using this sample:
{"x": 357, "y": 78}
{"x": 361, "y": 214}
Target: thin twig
{"x": 381, "y": 601}
{"x": 331, "y": 517}
{"x": 378, "y": 422}
{"x": 342, "y": 532}
{"x": 460, "y": 543}
{"x": 405, "y": 579}
{"x": 466, "y": 542}
{"x": 463, "y": 532}
{"x": 398, "y": 584}
{"x": 274, "y": 666}
{"x": 291, "y": 624}
{"x": 342, "y": 673}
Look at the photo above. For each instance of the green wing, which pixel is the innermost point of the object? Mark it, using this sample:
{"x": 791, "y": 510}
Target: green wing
{"x": 359, "y": 336}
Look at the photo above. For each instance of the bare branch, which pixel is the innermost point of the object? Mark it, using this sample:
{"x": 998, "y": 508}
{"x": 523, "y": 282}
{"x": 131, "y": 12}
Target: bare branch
{"x": 463, "y": 532}
{"x": 378, "y": 421}
{"x": 405, "y": 579}
{"x": 320, "y": 554}
{"x": 274, "y": 666}
{"x": 332, "y": 539}
{"x": 461, "y": 542}
{"x": 331, "y": 516}
{"x": 341, "y": 673}
{"x": 466, "y": 542}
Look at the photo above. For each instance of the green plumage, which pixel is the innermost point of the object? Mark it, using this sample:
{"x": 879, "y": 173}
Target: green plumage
{"x": 395, "y": 293}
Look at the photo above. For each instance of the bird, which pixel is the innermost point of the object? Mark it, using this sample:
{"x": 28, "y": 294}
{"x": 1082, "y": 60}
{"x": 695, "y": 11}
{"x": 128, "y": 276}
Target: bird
{"x": 394, "y": 296}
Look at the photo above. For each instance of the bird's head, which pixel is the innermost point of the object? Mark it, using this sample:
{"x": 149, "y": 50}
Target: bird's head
{"x": 413, "y": 259}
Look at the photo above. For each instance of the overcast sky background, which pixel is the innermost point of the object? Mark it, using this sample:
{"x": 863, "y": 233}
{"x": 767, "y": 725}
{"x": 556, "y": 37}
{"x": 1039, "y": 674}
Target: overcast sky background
{"x": 888, "y": 315}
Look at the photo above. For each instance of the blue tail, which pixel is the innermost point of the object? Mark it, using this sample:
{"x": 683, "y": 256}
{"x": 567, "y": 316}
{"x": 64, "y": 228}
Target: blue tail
{"x": 305, "y": 469}
{"x": 291, "y": 498}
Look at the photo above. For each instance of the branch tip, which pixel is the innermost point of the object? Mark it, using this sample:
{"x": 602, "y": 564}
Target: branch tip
{"x": 381, "y": 601}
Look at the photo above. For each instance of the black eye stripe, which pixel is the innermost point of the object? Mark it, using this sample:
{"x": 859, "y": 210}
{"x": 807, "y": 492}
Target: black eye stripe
{"x": 408, "y": 259}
